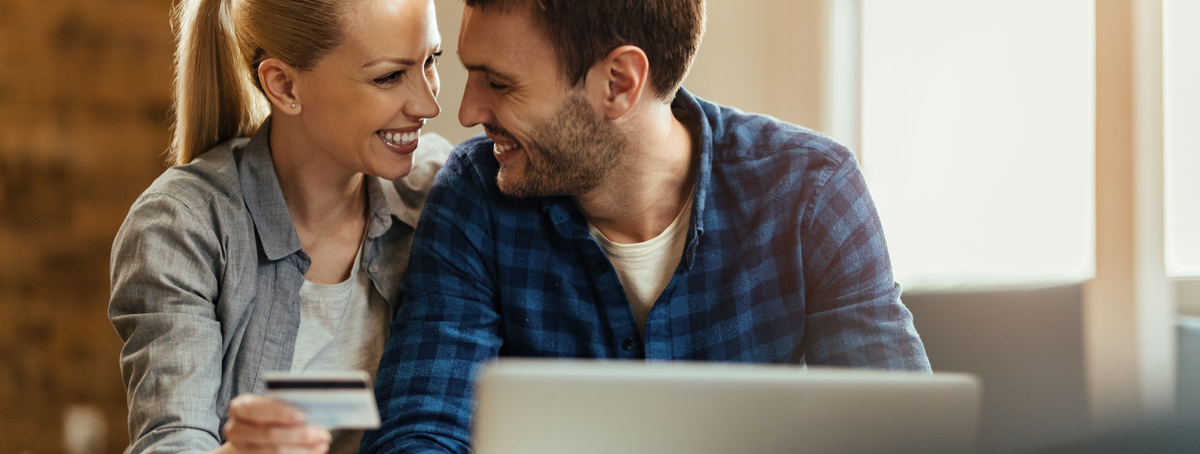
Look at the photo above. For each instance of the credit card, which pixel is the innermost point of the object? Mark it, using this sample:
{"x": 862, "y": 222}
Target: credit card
{"x": 333, "y": 400}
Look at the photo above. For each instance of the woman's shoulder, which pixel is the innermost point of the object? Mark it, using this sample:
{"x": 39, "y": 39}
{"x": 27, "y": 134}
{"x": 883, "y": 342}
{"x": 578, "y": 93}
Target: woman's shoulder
{"x": 212, "y": 175}
{"x": 199, "y": 197}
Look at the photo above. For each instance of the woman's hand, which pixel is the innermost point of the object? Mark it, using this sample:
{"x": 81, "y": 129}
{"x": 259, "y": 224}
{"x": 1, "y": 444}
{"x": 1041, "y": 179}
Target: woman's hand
{"x": 260, "y": 424}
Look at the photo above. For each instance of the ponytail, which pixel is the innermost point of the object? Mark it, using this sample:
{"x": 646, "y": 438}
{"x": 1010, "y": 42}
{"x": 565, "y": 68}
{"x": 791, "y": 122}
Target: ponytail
{"x": 215, "y": 95}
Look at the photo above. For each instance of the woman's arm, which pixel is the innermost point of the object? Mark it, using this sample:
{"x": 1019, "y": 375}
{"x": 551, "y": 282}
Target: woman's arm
{"x": 167, "y": 263}
{"x": 164, "y": 284}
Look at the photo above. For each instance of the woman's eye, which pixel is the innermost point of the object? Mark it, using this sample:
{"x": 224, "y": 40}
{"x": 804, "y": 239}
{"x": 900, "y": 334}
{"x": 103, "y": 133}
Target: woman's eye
{"x": 433, "y": 59}
{"x": 391, "y": 77}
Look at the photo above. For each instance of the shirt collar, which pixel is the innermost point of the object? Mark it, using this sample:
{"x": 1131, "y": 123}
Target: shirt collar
{"x": 691, "y": 108}
{"x": 264, "y": 198}
{"x": 384, "y": 203}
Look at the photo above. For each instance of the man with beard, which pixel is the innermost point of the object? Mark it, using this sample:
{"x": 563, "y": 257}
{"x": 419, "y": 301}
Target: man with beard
{"x": 608, "y": 213}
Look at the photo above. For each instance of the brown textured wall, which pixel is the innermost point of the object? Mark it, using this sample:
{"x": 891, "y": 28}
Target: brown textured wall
{"x": 84, "y": 95}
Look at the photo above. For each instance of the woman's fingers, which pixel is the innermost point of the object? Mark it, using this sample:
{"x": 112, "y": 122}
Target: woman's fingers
{"x": 264, "y": 410}
{"x": 261, "y": 424}
{"x": 282, "y": 450}
{"x": 244, "y": 433}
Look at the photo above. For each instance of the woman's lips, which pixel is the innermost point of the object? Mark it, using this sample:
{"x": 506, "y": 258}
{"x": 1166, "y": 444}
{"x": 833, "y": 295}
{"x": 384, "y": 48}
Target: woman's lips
{"x": 402, "y": 141}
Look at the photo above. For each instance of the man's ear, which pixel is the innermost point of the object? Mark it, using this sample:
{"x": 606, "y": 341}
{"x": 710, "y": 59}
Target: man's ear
{"x": 278, "y": 83}
{"x": 619, "y": 81}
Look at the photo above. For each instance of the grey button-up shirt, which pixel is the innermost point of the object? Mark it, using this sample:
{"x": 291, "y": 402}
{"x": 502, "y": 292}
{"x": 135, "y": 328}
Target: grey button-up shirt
{"x": 206, "y": 272}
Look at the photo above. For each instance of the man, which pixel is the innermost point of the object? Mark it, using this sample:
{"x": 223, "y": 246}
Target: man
{"x": 608, "y": 213}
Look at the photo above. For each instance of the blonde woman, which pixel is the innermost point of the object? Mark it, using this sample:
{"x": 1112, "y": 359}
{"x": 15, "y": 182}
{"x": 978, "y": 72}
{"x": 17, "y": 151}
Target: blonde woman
{"x": 279, "y": 239}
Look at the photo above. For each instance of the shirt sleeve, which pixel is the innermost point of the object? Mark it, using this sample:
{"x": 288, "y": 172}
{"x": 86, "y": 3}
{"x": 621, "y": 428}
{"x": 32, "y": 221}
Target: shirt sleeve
{"x": 163, "y": 284}
{"x": 446, "y": 326}
{"x": 853, "y": 313}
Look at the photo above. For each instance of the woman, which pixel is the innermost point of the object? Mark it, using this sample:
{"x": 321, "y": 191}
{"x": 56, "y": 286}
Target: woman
{"x": 284, "y": 251}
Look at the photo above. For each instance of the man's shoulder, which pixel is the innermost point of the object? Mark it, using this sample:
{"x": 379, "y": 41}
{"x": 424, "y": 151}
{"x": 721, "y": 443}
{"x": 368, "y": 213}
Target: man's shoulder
{"x": 758, "y": 160}
{"x": 470, "y": 163}
{"x": 739, "y": 135}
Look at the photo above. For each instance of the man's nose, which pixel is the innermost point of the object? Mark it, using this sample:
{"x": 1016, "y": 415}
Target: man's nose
{"x": 475, "y": 108}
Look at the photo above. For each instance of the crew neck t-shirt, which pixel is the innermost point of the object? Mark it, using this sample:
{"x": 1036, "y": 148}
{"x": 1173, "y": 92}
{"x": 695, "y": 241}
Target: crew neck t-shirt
{"x": 343, "y": 327}
{"x": 646, "y": 268}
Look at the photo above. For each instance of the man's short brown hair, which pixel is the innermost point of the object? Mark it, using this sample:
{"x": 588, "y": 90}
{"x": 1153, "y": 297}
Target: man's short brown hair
{"x": 583, "y": 32}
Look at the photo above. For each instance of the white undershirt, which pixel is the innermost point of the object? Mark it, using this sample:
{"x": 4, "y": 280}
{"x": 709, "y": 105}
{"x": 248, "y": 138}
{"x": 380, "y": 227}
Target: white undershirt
{"x": 343, "y": 327}
{"x": 646, "y": 268}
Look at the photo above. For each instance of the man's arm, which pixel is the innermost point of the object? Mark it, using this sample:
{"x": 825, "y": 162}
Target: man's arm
{"x": 854, "y": 316}
{"x": 447, "y": 323}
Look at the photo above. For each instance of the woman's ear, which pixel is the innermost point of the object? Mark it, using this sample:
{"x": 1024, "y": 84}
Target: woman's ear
{"x": 621, "y": 79}
{"x": 278, "y": 83}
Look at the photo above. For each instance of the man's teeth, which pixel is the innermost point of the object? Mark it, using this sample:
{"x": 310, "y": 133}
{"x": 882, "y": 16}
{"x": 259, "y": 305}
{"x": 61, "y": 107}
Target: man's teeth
{"x": 504, "y": 148}
{"x": 406, "y": 138}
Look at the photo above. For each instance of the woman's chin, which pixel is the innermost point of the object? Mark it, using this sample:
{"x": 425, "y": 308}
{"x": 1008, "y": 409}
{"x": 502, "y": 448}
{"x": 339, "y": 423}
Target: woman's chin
{"x": 395, "y": 171}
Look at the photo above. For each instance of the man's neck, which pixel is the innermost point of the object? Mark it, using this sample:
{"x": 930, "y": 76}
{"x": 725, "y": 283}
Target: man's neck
{"x": 650, "y": 185}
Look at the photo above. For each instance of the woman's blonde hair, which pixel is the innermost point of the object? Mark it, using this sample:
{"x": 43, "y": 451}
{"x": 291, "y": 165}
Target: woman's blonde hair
{"x": 220, "y": 45}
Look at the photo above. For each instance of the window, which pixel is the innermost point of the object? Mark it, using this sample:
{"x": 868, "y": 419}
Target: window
{"x": 977, "y": 128}
{"x": 1181, "y": 115}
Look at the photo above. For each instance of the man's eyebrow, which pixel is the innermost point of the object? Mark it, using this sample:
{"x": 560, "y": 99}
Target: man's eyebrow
{"x": 490, "y": 71}
{"x": 399, "y": 61}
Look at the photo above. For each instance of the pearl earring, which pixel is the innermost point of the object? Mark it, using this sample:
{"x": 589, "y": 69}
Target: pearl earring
{"x": 293, "y": 105}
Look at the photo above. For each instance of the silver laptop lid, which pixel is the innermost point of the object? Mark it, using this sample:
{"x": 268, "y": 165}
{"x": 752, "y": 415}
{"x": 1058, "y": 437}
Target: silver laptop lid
{"x": 575, "y": 406}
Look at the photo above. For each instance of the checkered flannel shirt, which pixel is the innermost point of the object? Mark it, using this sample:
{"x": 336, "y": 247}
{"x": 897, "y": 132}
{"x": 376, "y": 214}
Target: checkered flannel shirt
{"x": 785, "y": 262}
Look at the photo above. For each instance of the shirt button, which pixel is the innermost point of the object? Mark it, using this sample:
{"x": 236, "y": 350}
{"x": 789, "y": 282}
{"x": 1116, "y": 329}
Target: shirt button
{"x": 603, "y": 267}
{"x": 627, "y": 344}
{"x": 373, "y": 268}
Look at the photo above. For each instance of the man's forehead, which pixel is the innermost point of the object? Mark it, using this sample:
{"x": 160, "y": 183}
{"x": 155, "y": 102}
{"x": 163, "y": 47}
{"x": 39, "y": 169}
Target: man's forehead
{"x": 499, "y": 42}
{"x": 494, "y": 21}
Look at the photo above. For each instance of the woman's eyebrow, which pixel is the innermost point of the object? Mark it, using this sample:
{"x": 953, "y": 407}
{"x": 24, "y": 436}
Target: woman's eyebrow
{"x": 399, "y": 61}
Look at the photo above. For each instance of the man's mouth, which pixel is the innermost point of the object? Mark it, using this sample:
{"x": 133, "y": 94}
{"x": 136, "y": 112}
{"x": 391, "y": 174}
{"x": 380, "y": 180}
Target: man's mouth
{"x": 504, "y": 145}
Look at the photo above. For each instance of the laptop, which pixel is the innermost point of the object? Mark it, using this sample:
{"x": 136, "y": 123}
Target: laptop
{"x": 577, "y": 406}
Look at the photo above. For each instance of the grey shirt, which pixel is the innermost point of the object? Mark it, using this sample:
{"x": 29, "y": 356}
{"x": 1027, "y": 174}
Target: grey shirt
{"x": 205, "y": 276}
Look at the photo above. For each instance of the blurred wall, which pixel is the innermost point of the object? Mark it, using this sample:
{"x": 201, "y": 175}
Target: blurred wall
{"x": 83, "y": 110}
{"x": 762, "y": 56}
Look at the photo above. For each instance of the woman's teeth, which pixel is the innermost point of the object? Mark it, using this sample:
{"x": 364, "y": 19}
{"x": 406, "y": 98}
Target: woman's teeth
{"x": 504, "y": 148}
{"x": 406, "y": 138}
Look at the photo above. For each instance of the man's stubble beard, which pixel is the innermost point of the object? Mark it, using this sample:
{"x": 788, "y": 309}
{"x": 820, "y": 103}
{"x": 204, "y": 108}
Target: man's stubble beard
{"x": 576, "y": 151}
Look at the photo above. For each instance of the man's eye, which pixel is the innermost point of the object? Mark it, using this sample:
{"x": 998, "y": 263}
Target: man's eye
{"x": 390, "y": 78}
{"x": 497, "y": 87}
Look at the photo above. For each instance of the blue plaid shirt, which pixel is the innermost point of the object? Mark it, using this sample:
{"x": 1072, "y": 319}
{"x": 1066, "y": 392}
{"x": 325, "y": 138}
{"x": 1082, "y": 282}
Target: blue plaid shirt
{"x": 785, "y": 262}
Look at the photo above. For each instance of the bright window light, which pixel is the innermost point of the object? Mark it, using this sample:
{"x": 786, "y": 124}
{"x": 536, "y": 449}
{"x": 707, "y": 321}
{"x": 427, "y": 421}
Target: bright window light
{"x": 978, "y": 138}
{"x": 1181, "y": 104}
